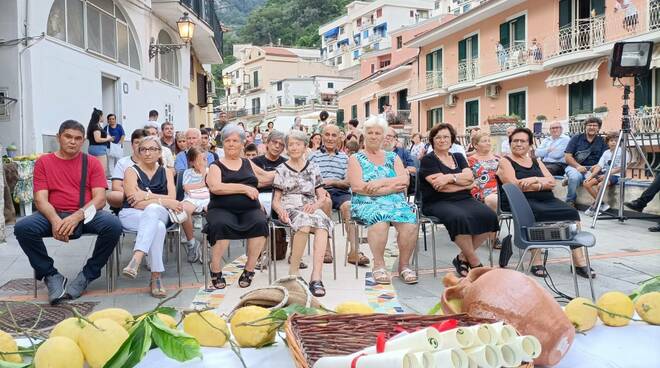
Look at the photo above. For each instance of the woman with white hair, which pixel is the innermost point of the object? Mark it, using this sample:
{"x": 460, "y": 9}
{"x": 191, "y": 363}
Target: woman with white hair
{"x": 297, "y": 200}
{"x": 379, "y": 181}
{"x": 234, "y": 211}
{"x": 150, "y": 191}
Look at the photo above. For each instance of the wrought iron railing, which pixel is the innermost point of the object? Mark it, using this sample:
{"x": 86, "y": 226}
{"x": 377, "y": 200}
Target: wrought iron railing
{"x": 581, "y": 34}
{"x": 468, "y": 70}
{"x": 654, "y": 15}
{"x": 519, "y": 54}
{"x": 646, "y": 120}
{"x": 433, "y": 79}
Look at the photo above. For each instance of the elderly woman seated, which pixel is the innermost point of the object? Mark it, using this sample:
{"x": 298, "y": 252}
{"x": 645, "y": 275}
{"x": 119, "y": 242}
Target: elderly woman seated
{"x": 297, "y": 200}
{"x": 445, "y": 182}
{"x": 378, "y": 181}
{"x": 150, "y": 192}
{"x": 234, "y": 211}
{"x": 536, "y": 182}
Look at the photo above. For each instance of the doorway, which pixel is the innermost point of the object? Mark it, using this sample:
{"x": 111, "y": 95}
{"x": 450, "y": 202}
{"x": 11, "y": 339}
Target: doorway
{"x": 109, "y": 102}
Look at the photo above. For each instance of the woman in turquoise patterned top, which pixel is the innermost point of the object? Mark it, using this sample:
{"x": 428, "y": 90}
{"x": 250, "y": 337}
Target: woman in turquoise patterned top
{"x": 378, "y": 181}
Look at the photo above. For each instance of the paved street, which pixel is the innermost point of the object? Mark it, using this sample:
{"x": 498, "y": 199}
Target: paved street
{"x": 625, "y": 254}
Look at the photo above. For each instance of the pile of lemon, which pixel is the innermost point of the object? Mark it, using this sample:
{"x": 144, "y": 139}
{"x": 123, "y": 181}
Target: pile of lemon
{"x": 614, "y": 309}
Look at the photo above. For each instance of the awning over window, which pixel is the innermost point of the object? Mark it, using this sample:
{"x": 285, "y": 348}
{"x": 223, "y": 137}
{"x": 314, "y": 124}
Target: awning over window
{"x": 574, "y": 73}
{"x": 655, "y": 59}
{"x": 382, "y": 26}
{"x": 342, "y": 42}
{"x": 331, "y": 33}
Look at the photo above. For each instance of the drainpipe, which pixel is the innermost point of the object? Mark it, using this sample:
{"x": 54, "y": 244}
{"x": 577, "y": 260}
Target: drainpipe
{"x": 419, "y": 106}
{"x": 21, "y": 129}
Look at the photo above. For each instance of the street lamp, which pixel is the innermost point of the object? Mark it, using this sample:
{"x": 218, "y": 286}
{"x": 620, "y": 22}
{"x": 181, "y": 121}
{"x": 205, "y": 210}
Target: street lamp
{"x": 226, "y": 81}
{"x": 186, "y": 28}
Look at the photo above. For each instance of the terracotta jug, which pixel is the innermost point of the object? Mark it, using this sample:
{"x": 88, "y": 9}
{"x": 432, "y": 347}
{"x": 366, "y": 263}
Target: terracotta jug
{"x": 516, "y": 299}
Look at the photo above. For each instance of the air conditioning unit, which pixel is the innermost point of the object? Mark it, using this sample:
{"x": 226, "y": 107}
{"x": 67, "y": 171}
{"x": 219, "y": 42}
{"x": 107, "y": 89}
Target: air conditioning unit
{"x": 451, "y": 100}
{"x": 493, "y": 90}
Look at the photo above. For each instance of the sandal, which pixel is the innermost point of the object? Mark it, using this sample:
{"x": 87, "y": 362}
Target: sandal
{"x": 462, "y": 267}
{"x": 246, "y": 279}
{"x": 218, "y": 281}
{"x": 408, "y": 276}
{"x": 583, "y": 271}
{"x": 316, "y": 288}
{"x": 157, "y": 289}
{"x": 538, "y": 271}
{"x": 381, "y": 276}
{"x": 131, "y": 270}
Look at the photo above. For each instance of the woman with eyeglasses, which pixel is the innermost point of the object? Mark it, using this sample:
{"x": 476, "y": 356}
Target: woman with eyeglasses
{"x": 150, "y": 192}
{"x": 445, "y": 181}
{"x": 536, "y": 183}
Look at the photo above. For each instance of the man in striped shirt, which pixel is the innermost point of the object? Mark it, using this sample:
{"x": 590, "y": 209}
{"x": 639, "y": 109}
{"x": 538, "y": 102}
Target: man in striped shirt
{"x": 333, "y": 165}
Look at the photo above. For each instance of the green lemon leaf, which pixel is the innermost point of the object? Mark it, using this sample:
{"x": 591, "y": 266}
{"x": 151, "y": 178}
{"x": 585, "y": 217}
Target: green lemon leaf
{"x": 4, "y": 364}
{"x": 299, "y": 309}
{"x": 436, "y": 308}
{"x": 167, "y": 310}
{"x": 176, "y": 344}
{"x": 133, "y": 350}
{"x": 650, "y": 285}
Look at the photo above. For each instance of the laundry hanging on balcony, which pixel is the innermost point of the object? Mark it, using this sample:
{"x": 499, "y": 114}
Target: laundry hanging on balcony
{"x": 574, "y": 73}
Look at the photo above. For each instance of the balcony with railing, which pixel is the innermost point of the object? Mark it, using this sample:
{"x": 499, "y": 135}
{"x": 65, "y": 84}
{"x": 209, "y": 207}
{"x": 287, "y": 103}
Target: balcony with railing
{"x": 519, "y": 54}
{"x": 433, "y": 79}
{"x": 468, "y": 70}
{"x": 646, "y": 119}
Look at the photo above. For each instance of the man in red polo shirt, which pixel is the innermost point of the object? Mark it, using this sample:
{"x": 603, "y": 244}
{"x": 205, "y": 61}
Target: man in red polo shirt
{"x": 65, "y": 212}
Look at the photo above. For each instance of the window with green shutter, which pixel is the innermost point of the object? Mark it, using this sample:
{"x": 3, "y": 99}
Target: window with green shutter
{"x": 472, "y": 113}
{"x": 517, "y": 105}
{"x": 340, "y": 117}
{"x": 643, "y": 90}
{"x": 581, "y": 98}
{"x": 512, "y": 32}
{"x": 354, "y": 112}
{"x": 367, "y": 113}
{"x": 565, "y": 12}
{"x": 462, "y": 50}
{"x": 433, "y": 117}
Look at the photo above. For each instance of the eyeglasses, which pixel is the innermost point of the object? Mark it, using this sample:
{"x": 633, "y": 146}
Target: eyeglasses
{"x": 441, "y": 137}
{"x": 390, "y": 136}
{"x": 558, "y": 127}
{"x": 149, "y": 149}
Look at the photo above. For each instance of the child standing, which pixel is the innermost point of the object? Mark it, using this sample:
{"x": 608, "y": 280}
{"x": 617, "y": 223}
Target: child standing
{"x": 596, "y": 176}
{"x": 196, "y": 197}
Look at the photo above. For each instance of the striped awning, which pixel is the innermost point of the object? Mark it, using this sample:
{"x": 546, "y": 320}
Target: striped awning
{"x": 655, "y": 58}
{"x": 574, "y": 73}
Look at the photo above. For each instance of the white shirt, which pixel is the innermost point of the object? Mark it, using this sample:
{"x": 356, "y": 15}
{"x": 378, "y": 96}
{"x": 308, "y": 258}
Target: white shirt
{"x": 455, "y": 148}
{"x": 628, "y": 6}
{"x": 152, "y": 123}
{"x": 121, "y": 166}
{"x": 167, "y": 156}
{"x": 505, "y": 147}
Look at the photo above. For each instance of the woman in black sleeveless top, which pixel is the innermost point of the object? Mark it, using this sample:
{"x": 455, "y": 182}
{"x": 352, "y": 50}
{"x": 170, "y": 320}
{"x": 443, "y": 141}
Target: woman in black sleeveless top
{"x": 150, "y": 192}
{"x": 234, "y": 211}
{"x": 536, "y": 182}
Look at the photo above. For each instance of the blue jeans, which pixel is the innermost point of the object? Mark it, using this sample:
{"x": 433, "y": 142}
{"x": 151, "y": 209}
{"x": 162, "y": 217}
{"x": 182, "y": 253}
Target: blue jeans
{"x": 575, "y": 179}
{"x": 31, "y": 230}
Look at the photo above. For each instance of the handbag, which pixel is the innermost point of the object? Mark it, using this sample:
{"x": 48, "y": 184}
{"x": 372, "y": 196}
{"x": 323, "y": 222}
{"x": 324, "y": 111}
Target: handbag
{"x": 175, "y": 217}
{"x": 116, "y": 150}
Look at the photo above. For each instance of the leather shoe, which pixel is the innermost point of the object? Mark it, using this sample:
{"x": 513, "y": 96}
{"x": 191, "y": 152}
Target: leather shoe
{"x": 583, "y": 271}
{"x": 634, "y": 205}
{"x": 361, "y": 259}
{"x": 655, "y": 229}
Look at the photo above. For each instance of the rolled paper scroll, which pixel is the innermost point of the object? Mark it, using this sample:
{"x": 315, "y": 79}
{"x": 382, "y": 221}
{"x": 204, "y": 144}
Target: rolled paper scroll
{"x": 427, "y": 339}
{"x": 392, "y": 359}
{"x": 527, "y": 347}
{"x": 485, "y": 356}
{"x": 509, "y": 358}
{"x": 448, "y": 358}
{"x": 484, "y": 335}
{"x": 458, "y": 338}
{"x": 505, "y": 333}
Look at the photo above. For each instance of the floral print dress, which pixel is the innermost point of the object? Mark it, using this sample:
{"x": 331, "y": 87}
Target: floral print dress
{"x": 384, "y": 208}
{"x": 298, "y": 189}
{"x": 485, "y": 177}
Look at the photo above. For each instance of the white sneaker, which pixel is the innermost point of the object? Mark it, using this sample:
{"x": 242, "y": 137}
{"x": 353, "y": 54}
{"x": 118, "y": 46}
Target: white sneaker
{"x": 197, "y": 222}
{"x": 604, "y": 207}
{"x": 192, "y": 250}
{"x": 590, "y": 211}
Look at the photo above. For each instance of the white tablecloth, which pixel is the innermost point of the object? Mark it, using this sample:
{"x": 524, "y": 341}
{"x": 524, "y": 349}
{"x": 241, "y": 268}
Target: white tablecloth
{"x": 634, "y": 346}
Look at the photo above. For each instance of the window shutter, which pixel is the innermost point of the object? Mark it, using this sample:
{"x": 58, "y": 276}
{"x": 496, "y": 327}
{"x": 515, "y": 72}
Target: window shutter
{"x": 462, "y": 52}
{"x": 520, "y": 29}
{"x": 340, "y": 117}
{"x": 201, "y": 90}
{"x": 564, "y": 12}
{"x": 438, "y": 60}
{"x": 598, "y": 6}
{"x": 474, "y": 46}
{"x": 429, "y": 62}
{"x": 504, "y": 34}
{"x": 429, "y": 119}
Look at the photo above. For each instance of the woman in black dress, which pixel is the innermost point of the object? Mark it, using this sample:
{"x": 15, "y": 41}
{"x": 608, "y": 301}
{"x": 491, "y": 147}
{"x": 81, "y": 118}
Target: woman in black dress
{"x": 445, "y": 183}
{"x": 234, "y": 211}
{"x": 536, "y": 182}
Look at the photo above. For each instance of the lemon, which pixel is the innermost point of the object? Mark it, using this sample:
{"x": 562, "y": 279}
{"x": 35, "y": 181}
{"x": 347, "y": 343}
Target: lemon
{"x": 618, "y": 303}
{"x": 582, "y": 316}
{"x": 121, "y": 316}
{"x": 455, "y": 305}
{"x": 100, "y": 343}
{"x": 167, "y": 320}
{"x": 207, "y": 327}
{"x": 70, "y": 327}
{"x": 261, "y": 333}
{"x": 59, "y": 352}
{"x": 8, "y": 345}
{"x": 353, "y": 308}
{"x": 648, "y": 307}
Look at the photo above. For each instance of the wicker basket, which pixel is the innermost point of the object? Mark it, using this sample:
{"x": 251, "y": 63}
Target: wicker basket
{"x": 312, "y": 337}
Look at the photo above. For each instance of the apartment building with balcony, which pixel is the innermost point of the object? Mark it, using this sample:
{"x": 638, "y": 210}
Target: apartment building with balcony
{"x": 61, "y": 58}
{"x": 365, "y": 27}
{"x": 386, "y": 76}
{"x": 529, "y": 58}
{"x": 258, "y": 73}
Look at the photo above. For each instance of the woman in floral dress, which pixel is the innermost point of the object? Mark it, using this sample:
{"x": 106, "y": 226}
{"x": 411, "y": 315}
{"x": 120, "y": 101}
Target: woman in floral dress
{"x": 484, "y": 167}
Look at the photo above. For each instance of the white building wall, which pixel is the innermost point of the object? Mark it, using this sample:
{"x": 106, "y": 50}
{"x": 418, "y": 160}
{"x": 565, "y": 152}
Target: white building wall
{"x": 61, "y": 81}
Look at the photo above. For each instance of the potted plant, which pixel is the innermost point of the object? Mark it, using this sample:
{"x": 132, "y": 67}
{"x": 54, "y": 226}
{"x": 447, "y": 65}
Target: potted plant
{"x": 503, "y": 119}
{"x": 541, "y": 118}
{"x": 601, "y": 111}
